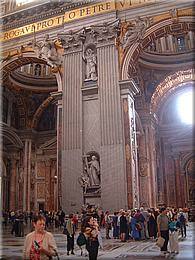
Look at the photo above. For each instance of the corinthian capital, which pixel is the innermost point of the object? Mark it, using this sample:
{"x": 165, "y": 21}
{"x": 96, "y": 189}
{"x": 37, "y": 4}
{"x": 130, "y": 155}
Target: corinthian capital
{"x": 72, "y": 39}
{"x": 106, "y": 31}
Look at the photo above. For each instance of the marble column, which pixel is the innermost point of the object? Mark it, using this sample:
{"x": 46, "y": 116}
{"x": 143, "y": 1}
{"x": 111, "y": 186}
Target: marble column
{"x": 179, "y": 193}
{"x": 13, "y": 185}
{"x": 48, "y": 182}
{"x": 58, "y": 177}
{"x": 147, "y": 164}
{"x": 27, "y": 175}
{"x": 170, "y": 179}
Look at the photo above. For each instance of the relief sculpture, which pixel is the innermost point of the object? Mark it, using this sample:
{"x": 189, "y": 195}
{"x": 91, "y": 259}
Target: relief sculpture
{"x": 135, "y": 31}
{"x": 47, "y": 50}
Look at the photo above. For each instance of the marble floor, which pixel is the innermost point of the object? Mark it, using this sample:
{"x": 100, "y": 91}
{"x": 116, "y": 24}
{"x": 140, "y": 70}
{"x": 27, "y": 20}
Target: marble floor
{"x": 11, "y": 247}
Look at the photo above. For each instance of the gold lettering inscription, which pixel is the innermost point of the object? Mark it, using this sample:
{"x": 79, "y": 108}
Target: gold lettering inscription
{"x": 70, "y": 16}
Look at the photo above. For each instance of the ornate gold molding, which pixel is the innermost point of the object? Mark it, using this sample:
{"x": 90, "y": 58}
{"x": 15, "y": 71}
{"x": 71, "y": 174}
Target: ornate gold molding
{"x": 171, "y": 83}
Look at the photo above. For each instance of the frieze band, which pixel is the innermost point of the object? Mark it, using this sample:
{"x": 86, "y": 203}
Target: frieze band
{"x": 72, "y": 15}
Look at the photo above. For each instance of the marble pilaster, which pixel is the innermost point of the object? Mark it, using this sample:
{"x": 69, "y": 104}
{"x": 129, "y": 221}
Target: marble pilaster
{"x": 71, "y": 153}
{"x": 128, "y": 90}
{"x": 112, "y": 156}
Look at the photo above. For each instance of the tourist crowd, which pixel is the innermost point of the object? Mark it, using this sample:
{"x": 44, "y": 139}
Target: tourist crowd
{"x": 134, "y": 224}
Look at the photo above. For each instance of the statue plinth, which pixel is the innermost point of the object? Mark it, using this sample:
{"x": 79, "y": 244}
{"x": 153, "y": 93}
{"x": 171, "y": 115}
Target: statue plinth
{"x": 93, "y": 191}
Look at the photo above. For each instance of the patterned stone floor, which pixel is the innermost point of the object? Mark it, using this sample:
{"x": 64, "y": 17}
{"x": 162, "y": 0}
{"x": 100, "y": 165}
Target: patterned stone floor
{"x": 11, "y": 247}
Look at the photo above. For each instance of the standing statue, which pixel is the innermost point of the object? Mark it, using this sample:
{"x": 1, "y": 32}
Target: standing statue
{"x": 91, "y": 65}
{"x": 94, "y": 171}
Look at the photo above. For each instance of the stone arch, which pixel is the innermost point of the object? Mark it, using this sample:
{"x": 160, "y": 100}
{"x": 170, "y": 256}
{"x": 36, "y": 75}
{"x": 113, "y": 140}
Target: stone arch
{"x": 168, "y": 86}
{"x": 186, "y": 160}
{"x": 18, "y": 59}
{"x": 40, "y": 110}
{"x": 11, "y": 135}
{"x": 155, "y": 31}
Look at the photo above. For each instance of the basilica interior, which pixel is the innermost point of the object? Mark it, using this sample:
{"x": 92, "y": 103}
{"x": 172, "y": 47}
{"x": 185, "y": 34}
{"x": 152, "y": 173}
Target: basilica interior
{"x": 157, "y": 141}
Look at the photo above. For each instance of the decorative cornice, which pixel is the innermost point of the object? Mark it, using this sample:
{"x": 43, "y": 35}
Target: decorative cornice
{"x": 129, "y": 85}
{"x": 38, "y": 13}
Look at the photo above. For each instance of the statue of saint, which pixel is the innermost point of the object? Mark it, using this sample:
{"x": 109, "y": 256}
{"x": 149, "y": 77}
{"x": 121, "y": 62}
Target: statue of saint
{"x": 91, "y": 63}
{"x": 94, "y": 171}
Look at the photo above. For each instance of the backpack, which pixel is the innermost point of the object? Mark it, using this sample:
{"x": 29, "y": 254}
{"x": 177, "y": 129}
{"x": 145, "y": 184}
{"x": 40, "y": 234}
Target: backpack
{"x": 81, "y": 240}
{"x": 182, "y": 218}
{"x": 65, "y": 231}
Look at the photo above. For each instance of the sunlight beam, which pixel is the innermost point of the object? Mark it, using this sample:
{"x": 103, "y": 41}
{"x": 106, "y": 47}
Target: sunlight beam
{"x": 185, "y": 107}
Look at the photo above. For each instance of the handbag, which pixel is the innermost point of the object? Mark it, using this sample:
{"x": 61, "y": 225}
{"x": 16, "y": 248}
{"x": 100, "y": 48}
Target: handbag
{"x": 56, "y": 256}
{"x": 138, "y": 226}
{"x": 160, "y": 242}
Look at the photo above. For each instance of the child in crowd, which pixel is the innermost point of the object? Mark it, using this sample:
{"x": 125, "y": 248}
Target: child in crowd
{"x": 173, "y": 235}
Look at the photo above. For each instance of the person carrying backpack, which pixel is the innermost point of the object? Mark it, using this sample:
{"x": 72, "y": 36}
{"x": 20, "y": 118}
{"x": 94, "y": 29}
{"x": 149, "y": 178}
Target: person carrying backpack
{"x": 182, "y": 221}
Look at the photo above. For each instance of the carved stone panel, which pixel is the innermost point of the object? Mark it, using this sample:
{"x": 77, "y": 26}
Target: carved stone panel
{"x": 41, "y": 190}
{"x": 40, "y": 170}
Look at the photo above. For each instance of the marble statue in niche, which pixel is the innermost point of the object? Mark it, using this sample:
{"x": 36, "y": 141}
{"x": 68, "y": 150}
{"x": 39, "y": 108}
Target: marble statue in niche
{"x": 90, "y": 178}
{"x": 91, "y": 64}
{"x": 94, "y": 171}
